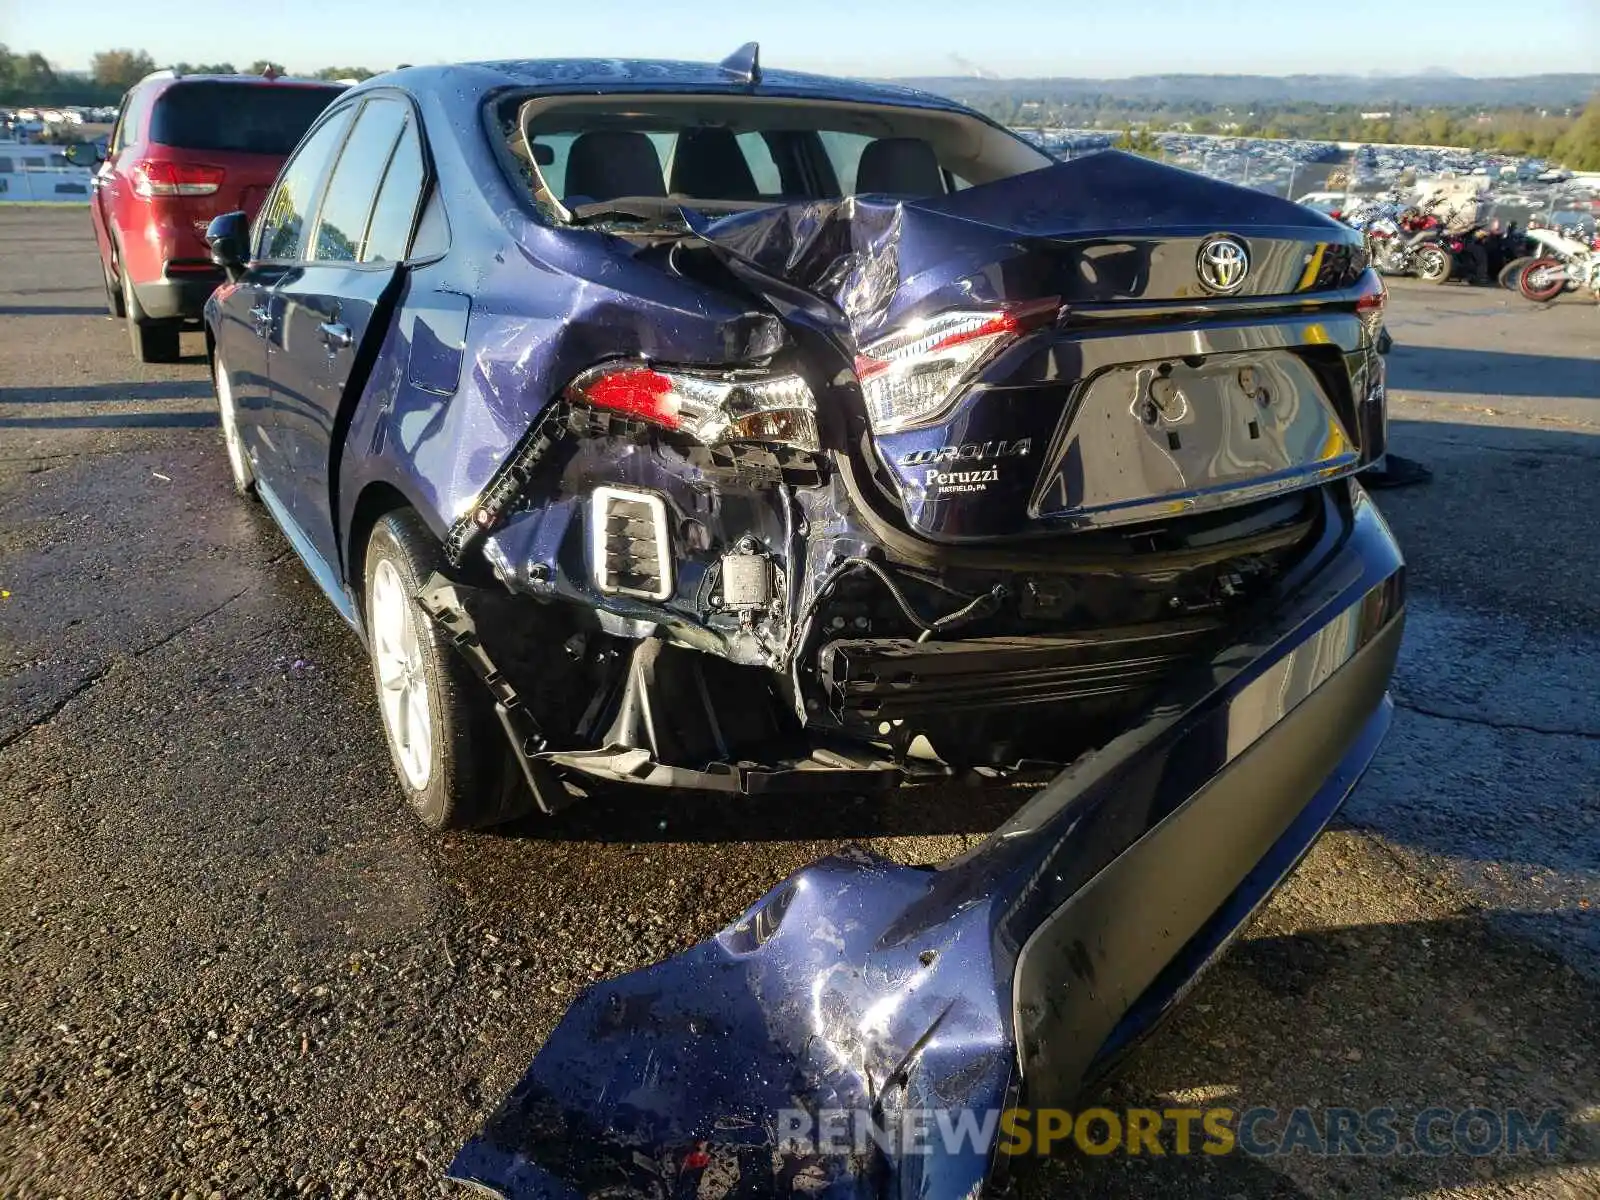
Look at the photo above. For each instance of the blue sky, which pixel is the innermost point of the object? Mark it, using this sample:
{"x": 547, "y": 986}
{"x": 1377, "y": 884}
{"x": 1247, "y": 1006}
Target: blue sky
{"x": 860, "y": 37}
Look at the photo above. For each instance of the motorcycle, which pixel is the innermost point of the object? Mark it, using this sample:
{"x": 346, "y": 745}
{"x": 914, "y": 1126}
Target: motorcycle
{"x": 1408, "y": 247}
{"x": 1564, "y": 263}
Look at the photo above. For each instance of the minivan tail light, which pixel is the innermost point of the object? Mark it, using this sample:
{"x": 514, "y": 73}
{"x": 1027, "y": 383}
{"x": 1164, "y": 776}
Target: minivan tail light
{"x": 913, "y": 375}
{"x": 734, "y": 406}
{"x": 160, "y": 178}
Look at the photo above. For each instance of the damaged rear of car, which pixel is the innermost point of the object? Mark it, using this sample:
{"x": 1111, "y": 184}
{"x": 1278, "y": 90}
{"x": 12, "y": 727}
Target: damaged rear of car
{"x": 765, "y": 433}
{"x": 917, "y": 455}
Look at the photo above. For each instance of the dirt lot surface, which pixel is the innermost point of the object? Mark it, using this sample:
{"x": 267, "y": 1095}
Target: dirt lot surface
{"x": 231, "y": 964}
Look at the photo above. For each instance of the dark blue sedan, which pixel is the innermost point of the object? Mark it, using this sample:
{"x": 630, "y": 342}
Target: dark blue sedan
{"x": 678, "y": 425}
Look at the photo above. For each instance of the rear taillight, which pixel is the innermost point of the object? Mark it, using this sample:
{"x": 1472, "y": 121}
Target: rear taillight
{"x": 913, "y": 375}
{"x": 1371, "y": 297}
{"x": 158, "y": 178}
{"x": 733, "y": 406}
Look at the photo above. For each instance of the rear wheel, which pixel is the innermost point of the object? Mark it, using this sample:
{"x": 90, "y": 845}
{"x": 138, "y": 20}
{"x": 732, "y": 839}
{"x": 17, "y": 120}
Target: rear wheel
{"x": 152, "y": 341}
{"x": 449, "y": 751}
{"x": 1434, "y": 264}
{"x": 1511, "y": 274}
{"x": 1542, "y": 280}
{"x": 114, "y": 305}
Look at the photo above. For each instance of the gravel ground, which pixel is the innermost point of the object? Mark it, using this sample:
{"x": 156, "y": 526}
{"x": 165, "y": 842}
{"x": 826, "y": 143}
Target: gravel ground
{"x": 233, "y": 966}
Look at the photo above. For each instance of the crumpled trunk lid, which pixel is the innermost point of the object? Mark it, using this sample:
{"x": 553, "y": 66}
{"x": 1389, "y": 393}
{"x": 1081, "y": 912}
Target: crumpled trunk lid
{"x": 1151, "y": 394}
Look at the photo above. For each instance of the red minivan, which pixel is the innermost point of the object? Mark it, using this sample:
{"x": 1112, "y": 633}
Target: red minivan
{"x": 184, "y": 149}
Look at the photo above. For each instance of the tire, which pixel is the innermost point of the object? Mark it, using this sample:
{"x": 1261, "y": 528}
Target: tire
{"x": 1434, "y": 264}
{"x": 243, "y": 474}
{"x": 458, "y": 773}
{"x": 152, "y": 341}
{"x": 1542, "y": 293}
{"x": 115, "y": 308}
{"x": 1511, "y": 274}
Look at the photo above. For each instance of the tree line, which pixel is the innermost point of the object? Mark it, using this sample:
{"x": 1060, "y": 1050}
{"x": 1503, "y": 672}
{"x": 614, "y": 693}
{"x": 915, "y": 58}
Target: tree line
{"x": 1570, "y": 135}
{"x": 30, "y": 79}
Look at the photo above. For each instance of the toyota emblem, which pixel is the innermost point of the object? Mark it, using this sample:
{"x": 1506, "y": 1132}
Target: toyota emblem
{"x": 1222, "y": 263}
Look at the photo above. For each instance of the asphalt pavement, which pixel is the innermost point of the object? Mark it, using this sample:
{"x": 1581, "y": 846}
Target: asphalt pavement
{"x": 231, "y": 964}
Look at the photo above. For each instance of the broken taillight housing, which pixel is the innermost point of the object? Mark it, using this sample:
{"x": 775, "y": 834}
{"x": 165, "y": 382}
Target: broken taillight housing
{"x": 914, "y": 374}
{"x": 731, "y": 406}
{"x": 1371, "y": 297}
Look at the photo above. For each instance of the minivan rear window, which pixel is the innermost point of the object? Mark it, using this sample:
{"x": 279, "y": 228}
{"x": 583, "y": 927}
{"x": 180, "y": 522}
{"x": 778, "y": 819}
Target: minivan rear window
{"x": 246, "y": 118}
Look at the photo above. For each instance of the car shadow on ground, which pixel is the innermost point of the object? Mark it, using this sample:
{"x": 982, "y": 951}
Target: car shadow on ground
{"x": 180, "y": 420}
{"x": 1410, "y": 1016}
{"x": 95, "y": 393}
{"x": 1466, "y": 372}
{"x": 50, "y": 310}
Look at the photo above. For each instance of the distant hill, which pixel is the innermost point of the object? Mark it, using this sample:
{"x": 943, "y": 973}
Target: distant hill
{"x": 1425, "y": 89}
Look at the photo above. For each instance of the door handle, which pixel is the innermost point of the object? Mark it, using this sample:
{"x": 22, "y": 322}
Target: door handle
{"x": 336, "y": 336}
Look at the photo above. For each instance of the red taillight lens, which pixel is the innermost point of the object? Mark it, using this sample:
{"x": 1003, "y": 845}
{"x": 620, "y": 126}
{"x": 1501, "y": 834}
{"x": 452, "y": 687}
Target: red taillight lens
{"x": 1372, "y": 295}
{"x": 634, "y": 392}
{"x": 911, "y": 376}
{"x": 159, "y": 178}
{"x": 734, "y": 406}
{"x": 1371, "y": 298}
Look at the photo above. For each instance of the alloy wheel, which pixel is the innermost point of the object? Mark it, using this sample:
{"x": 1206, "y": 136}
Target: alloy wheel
{"x": 402, "y": 680}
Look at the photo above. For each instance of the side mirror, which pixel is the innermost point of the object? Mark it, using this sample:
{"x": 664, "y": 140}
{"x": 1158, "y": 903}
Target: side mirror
{"x": 85, "y": 154}
{"x": 228, "y": 236}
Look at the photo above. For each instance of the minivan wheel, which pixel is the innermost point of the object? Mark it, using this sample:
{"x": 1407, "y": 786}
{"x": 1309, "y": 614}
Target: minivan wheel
{"x": 244, "y": 476}
{"x": 114, "y": 305}
{"x": 448, "y": 750}
{"x": 152, "y": 341}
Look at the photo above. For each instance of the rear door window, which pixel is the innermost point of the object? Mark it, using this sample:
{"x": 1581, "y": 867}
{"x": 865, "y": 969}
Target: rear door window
{"x": 134, "y": 105}
{"x": 389, "y": 235}
{"x": 281, "y": 236}
{"x": 348, "y": 202}
{"x": 243, "y": 118}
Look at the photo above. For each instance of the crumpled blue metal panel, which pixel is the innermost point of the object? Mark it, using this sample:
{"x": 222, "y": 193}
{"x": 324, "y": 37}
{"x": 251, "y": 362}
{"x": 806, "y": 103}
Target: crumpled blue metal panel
{"x": 863, "y": 985}
{"x": 810, "y": 1002}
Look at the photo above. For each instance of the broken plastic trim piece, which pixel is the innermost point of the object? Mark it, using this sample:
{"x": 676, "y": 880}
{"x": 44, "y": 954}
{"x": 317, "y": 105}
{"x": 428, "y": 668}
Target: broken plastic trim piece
{"x": 439, "y": 599}
{"x": 505, "y": 486}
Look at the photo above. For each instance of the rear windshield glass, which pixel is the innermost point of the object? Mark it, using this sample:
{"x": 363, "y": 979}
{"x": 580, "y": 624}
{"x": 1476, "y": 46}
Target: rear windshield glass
{"x": 615, "y": 157}
{"x": 247, "y": 118}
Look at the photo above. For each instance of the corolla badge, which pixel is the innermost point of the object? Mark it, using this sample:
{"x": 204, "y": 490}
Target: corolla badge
{"x": 1222, "y": 263}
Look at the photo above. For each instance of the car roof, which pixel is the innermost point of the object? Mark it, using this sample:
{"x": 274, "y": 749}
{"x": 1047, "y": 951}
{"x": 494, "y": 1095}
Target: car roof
{"x": 166, "y": 79}
{"x": 634, "y": 75}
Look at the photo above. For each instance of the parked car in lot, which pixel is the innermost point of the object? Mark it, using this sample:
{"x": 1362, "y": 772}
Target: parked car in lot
{"x": 660, "y": 424}
{"x": 184, "y": 149}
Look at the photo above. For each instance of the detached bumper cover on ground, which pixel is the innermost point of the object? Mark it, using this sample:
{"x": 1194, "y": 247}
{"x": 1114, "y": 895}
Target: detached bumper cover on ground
{"x": 1015, "y": 971}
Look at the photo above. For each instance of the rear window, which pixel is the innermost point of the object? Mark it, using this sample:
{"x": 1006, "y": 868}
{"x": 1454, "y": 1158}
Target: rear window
{"x": 635, "y": 158}
{"x": 244, "y": 118}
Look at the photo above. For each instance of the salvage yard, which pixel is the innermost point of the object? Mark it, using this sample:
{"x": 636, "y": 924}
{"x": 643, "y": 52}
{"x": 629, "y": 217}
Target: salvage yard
{"x": 231, "y": 963}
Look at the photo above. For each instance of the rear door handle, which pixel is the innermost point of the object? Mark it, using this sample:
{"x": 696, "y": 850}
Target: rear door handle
{"x": 336, "y": 336}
